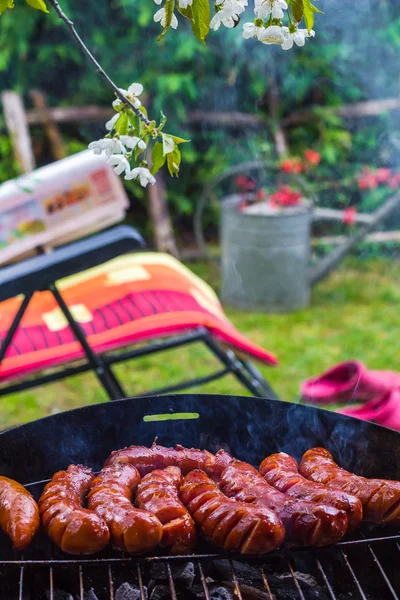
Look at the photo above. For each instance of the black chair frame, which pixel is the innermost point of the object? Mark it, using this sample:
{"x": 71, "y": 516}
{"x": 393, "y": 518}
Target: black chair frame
{"x": 42, "y": 272}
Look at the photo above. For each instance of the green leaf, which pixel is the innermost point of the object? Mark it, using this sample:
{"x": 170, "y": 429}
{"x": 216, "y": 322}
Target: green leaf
{"x": 201, "y": 19}
{"x": 178, "y": 140}
{"x": 38, "y": 4}
{"x": 309, "y": 10}
{"x": 168, "y": 143}
{"x": 158, "y": 158}
{"x": 297, "y": 10}
{"x": 186, "y": 12}
{"x": 174, "y": 161}
{"x": 5, "y": 4}
{"x": 134, "y": 123}
{"x": 122, "y": 125}
{"x": 169, "y": 12}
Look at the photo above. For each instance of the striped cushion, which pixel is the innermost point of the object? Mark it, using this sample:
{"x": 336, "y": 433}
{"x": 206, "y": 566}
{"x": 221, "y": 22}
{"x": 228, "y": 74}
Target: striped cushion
{"x": 129, "y": 299}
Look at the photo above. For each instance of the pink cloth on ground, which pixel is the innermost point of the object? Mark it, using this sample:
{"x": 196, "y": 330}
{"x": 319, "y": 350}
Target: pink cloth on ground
{"x": 383, "y": 411}
{"x": 377, "y": 392}
{"x": 349, "y": 381}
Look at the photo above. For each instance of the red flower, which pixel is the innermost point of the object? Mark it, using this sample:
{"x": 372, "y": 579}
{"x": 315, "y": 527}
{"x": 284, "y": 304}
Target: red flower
{"x": 349, "y": 215}
{"x": 367, "y": 180}
{"x": 312, "y": 157}
{"x": 383, "y": 175}
{"x": 292, "y": 165}
{"x": 261, "y": 195}
{"x": 245, "y": 183}
{"x": 285, "y": 196}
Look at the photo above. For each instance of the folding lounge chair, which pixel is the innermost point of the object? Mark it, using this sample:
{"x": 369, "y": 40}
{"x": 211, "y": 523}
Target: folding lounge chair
{"x": 91, "y": 304}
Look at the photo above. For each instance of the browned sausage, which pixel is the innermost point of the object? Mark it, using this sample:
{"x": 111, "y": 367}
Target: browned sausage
{"x": 73, "y": 528}
{"x": 147, "y": 460}
{"x": 158, "y": 492}
{"x": 132, "y": 530}
{"x": 235, "y": 526}
{"x": 19, "y": 513}
{"x": 306, "y": 523}
{"x": 380, "y": 497}
{"x": 282, "y": 472}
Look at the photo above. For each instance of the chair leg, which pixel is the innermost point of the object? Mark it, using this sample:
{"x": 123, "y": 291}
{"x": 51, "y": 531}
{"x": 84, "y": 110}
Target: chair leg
{"x": 14, "y": 326}
{"x": 104, "y": 373}
{"x": 238, "y": 369}
{"x": 258, "y": 379}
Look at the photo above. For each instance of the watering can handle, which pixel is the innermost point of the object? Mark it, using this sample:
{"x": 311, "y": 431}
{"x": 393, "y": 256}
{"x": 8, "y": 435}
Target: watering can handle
{"x": 330, "y": 262}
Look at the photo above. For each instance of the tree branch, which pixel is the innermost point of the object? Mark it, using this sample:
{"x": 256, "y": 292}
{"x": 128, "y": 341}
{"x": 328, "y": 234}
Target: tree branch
{"x": 86, "y": 52}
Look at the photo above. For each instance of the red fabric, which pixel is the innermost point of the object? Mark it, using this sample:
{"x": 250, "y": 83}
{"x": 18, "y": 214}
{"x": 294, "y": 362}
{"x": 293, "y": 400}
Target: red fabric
{"x": 130, "y": 299}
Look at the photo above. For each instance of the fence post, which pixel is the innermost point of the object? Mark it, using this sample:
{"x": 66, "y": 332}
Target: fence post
{"x": 17, "y": 125}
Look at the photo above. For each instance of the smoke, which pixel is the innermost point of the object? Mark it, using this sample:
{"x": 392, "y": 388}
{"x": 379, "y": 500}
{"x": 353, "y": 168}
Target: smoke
{"x": 353, "y": 58}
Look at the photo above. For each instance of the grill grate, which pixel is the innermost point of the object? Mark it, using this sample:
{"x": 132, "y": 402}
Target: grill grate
{"x": 362, "y": 569}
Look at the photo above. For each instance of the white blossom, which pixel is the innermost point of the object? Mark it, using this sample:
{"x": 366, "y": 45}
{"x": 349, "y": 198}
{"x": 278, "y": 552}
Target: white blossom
{"x": 132, "y": 93}
{"x": 161, "y": 18}
{"x": 297, "y": 37}
{"x": 251, "y": 30}
{"x": 228, "y": 13}
{"x": 182, "y": 3}
{"x": 111, "y": 123}
{"x": 142, "y": 174}
{"x": 272, "y": 35}
{"x": 97, "y": 147}
{"x": 131, "y": 141}
{"x": 117, "y": 104}
{"x": 135, "y": 89}
{"x": 136, "y": 102}
{"x": 108, "y": 146}
{"x": 120, "y": 163}
{"x": 263, "y": 8}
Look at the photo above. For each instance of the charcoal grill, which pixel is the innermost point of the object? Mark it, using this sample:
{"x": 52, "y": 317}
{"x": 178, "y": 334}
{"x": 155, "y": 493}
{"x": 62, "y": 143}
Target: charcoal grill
{"x": 365, "y": 566}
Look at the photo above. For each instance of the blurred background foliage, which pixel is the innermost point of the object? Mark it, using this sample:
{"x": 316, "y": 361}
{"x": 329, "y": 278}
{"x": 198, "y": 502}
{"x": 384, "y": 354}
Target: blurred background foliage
{"x": 355, "y": 57}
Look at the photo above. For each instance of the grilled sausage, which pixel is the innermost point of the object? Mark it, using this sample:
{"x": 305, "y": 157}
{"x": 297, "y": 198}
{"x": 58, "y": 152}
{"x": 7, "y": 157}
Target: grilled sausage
{"x": 282, "y": 472}
{"x": 131, "y": 529}
{"x": 380, "y": 498}
{"x": 158, "y": 492}
{"x": 147, "y": 460}
{"x": 235, "y": 526}
{"x": 73, "y": 528}
{"x": 19, "y": 513}
{"x": 306, "y": 523}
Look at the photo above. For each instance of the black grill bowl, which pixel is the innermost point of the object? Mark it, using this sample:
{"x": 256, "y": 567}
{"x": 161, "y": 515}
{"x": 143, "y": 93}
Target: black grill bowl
{"x": 250, "y": 429}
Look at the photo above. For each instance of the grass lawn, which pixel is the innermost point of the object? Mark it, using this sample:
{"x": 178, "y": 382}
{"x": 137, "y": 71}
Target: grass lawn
{"x": 353, "y": 314}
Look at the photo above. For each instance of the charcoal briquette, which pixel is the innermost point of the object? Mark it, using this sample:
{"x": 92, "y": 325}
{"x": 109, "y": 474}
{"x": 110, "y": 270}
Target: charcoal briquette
{"x": 186, "y": 576}
{"x": 158, "y": 571}
{"x": 127, "y": 591}
{"x": 220, "y": 593}
{"x": 160, "y": 592}
{"x": 182, "y": 573}
{"x": 244, "y": 571}
{"x": 89, "y": 595}
{"x": 59, "y": 595}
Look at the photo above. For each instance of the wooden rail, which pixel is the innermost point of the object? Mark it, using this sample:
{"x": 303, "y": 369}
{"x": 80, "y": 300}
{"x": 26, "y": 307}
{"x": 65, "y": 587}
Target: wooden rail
{"x": 226, "y": 120}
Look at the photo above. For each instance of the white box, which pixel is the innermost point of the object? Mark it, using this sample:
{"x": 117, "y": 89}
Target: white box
{"x": 61, "y": 202}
